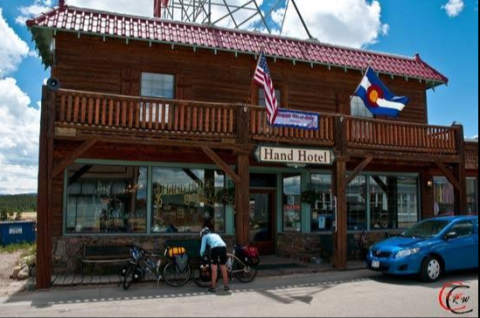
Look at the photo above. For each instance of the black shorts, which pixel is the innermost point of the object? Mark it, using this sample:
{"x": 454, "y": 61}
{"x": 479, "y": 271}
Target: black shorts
{"x": 219, "y": 256}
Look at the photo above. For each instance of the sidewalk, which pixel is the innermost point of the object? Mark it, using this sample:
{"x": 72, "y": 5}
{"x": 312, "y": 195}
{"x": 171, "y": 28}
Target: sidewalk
{"x": 270, "y": 266}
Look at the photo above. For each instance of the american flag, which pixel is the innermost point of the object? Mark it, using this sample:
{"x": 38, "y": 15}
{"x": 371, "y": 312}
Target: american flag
{"x": 263, "y": 78}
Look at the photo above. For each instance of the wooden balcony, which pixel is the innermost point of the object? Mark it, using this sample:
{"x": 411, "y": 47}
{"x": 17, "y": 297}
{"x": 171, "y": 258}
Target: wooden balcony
{"x": 81, "y": 114}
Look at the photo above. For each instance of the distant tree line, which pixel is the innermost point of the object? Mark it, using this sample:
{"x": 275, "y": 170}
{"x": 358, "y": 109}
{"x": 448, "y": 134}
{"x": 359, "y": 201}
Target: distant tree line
{"x": 16, "y": 204}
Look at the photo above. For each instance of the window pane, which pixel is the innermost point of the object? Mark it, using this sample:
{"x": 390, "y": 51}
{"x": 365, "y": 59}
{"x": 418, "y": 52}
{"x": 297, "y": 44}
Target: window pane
{"x": 185, "y": 200}
{"x": 261, "y": 97}
{"x": 357, "y": 204}
{"x": 444, "y": 196}
{"x": 292, "y": 206}
{"x": 472, "y": 196}
{"x": 106, "y": 199}
{"x": 158, "y": 85}
{"x": 322, "y": 210}
{"x": 393, "y": 202}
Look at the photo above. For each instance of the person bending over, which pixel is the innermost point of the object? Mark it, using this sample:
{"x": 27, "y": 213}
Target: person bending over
{"x": 218, "y": 256}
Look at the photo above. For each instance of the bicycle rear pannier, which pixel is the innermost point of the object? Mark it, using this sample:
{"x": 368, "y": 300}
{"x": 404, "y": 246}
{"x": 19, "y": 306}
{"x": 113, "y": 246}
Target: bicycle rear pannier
{"x": 252, "y": 255}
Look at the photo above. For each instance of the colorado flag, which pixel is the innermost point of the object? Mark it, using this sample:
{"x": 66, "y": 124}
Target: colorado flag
{"x": 378, "y": 98}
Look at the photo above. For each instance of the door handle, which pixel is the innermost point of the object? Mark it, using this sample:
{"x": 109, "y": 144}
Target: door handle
{"x": 335, "y": 211}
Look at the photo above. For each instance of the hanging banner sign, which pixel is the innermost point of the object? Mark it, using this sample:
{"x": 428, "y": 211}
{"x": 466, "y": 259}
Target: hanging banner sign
{"x": 296, "y": 119}
{"x": 294, "y": 156}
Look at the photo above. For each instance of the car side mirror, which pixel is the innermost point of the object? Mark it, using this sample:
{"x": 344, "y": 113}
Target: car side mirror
{"x": 451, "y": 236}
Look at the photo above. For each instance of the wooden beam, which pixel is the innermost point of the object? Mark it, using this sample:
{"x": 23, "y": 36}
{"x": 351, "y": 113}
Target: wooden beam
{"x": 447, "y": 173}
{"x": 225, "y": 167}
{"x": 60, "y": 167}
{"x": 357, "y": 170}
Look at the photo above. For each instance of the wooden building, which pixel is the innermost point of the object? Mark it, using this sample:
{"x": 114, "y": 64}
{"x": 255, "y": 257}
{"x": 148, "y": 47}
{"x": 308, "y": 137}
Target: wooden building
{"x": 153, "y": 131}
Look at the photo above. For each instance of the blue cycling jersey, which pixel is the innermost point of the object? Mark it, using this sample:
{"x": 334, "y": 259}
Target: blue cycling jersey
{"x": 213, "y": 240}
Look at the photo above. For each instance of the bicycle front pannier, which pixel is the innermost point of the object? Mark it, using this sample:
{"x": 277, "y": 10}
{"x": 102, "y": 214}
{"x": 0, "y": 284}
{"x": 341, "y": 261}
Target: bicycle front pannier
{"x": 182, "y": 262}
{"x": 205, "y": 270}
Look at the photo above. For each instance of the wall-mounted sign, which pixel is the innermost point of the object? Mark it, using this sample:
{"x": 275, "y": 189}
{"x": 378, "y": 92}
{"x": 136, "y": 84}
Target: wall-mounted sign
{"x": 295, "y": 119}
{"x": 294, "y": 156}
{"x": 15, "y": 230}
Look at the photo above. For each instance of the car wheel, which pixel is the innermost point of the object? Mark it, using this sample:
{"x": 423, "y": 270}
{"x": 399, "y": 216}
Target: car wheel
{"x": 431, "y": 269}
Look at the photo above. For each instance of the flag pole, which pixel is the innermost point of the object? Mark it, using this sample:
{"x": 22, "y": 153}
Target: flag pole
{"x": 249, "y": 96}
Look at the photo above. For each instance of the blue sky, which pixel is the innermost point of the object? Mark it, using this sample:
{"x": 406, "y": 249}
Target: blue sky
{"x": 446, "y": 39}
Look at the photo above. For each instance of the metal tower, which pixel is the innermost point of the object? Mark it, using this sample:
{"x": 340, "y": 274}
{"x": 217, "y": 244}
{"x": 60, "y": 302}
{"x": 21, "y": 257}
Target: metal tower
{"x": 240, "y": 14}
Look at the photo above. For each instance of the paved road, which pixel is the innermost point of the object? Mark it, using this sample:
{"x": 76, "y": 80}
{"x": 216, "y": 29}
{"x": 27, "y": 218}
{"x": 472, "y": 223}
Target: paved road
{"x": 359, "y": 293}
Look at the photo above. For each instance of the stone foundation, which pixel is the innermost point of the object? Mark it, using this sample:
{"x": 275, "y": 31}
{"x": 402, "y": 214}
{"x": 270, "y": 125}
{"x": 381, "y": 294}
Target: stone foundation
{"x": 67, "y": 251}
{"x": 304, "y": 247}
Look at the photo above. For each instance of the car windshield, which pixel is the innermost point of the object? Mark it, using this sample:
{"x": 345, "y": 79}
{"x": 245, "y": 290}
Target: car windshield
{"x": 426, "y": 229}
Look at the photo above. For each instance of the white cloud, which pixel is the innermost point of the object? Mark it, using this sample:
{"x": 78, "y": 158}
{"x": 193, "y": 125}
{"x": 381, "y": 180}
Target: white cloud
{"x": 37, "y": 8}
{"x": 454, "y": 8}
{"x": 353, "y": 23}
{"x": 12, "y": 48}
{"x": 145, "y": 8}
{"x": 19, "y": 133}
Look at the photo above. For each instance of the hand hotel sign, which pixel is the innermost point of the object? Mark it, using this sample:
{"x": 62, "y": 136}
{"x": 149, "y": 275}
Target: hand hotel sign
{"x": 294, "y": 156}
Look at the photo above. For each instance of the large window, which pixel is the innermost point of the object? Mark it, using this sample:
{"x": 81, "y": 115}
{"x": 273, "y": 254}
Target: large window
{"x": 444, "y": 202}
{"x": 106, "y": 199}
{"x": 393, "y": 202}
{"x": 358, "y": 108}
{"x": 261, "y": 97}
{"x": 322, "y": 211}
{"x": 472, "y": 195}
{"x": 186, "y": 200}
{"x": 357, "y": 204}
{"x": 292, "y": 205}
{"x": 158, "y": 85}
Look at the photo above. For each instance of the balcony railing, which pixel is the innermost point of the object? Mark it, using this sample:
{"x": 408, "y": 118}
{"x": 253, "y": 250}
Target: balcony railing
{"x": 388, "y": 135}
{"x": 108, "y": 113}
{"x": 116, "y": 112}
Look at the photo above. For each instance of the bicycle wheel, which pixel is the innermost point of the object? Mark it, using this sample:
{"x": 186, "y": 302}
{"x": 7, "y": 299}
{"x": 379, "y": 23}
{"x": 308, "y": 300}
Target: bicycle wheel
{"x": 174, "y": 277}
{"x": 245, "y": 274}
{"x": 128, "y": 279}
{"x": 197, "y": 279}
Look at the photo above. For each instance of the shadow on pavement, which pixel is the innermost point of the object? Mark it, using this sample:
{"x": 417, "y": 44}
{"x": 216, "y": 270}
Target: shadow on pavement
{"x": 278, "y": 291}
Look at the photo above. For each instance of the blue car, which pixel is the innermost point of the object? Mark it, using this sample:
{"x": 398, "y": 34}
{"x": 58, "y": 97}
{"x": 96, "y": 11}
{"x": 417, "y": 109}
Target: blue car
{"x": 429, "y": 249}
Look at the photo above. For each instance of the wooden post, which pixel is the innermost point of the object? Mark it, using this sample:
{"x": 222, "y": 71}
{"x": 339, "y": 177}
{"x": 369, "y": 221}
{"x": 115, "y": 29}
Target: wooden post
{"x": 460, "y": 193}
{"x": 44, "y": 212}
{"x": 243, "y": 172}
{"x": 340, "y": 232}
{"x": 339, "y": 191}
{"x": 243, "y": 199}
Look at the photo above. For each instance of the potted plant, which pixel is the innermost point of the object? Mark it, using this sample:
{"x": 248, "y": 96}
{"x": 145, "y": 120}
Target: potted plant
{"x": 310, "y": 195}
{"x": 226, "y": 196}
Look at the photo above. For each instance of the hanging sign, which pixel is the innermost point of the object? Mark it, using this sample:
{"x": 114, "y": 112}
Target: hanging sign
{"x": 296, "y": 119}
{"x": 294, "y": 156}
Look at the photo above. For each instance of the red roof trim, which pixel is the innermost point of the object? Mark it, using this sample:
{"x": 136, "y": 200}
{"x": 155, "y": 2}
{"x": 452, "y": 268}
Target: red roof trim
{"x": 156, "y": 30}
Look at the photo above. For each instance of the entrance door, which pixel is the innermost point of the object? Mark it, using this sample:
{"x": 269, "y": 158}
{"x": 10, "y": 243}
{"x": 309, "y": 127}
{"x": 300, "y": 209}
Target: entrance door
{"x": 262, "y": 221}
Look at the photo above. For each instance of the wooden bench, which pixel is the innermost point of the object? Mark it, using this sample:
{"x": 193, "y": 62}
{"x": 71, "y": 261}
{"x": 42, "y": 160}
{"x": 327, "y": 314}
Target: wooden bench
{"x": 104, "y": 254}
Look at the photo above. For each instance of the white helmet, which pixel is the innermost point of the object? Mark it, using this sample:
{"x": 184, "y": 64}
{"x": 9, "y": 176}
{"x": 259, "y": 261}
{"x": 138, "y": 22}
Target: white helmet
{"x": 204, "y": 231}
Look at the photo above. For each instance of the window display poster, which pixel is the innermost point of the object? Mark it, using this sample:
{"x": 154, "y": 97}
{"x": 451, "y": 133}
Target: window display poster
{"x": 321, "y": 222}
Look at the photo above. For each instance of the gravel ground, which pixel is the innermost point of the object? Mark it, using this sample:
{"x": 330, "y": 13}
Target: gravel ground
{"x": 7, "y": 263}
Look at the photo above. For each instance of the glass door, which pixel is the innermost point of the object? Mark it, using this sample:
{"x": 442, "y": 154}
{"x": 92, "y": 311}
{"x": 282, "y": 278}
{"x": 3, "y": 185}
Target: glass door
{"x": 262, "y": 221}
